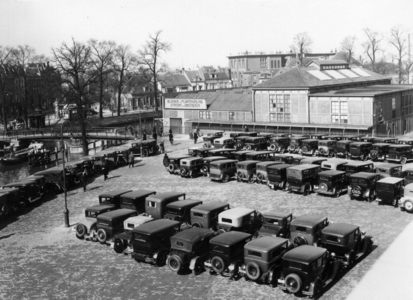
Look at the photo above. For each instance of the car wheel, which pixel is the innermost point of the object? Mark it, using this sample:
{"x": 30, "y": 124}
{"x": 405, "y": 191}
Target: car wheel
{"x": 253, "y": 271}
{"x": 198, "y": 268}
{"x": 293, "y": 283}
{"x": 160, "y": 259}
{"x": 225, "y": 178}
{"x": 299, "y": 241}
{"x": 101, "y": 235}
{"x": 396, "y": 202}
{"x": 239, "y": 176}
{"x": 171, "y": 168}
{"x": 119, "y": 245}
{"x": 5, "y": 209}
{"x": 403, "y": 160}
{"x": 408, "y": 206}
{"x": 175, "y": 263}
{"x": 80, "y": 231}
{"x": 307, "y": 189}
{"x": 196, "y": 225}
{"x": 183, "y": 173}
{"x": 336, "y": 193}
{"x": 217, "y": 264}
{"x": 286, "y": 186}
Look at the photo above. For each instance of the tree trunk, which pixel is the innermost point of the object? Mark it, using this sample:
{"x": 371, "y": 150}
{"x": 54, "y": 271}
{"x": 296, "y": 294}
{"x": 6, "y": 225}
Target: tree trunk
{"x": 155, "y": 89}
{"x": 120, "y": 90}
{"x": 101, "y": 97}
{"x": 82, "y": 127}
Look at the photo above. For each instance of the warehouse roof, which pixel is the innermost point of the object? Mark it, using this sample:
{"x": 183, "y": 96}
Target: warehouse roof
{"x": 367, "y": 91}
{"x": 221, "y": 101}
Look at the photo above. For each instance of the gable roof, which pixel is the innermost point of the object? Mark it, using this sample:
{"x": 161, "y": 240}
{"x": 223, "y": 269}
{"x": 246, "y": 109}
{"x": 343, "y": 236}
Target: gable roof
{"x": 194, "y": 76}
{"x": 170, "y": 81}
{"x": 220, "y": 76}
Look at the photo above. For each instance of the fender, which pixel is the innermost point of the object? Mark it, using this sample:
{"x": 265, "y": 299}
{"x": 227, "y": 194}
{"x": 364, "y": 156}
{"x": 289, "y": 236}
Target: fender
{"x": 193, "y": 262}
{"x": 366, "y": 242}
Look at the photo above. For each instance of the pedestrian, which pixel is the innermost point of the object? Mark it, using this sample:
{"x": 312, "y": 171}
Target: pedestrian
{"x": 246, "y": 129}
{"x": 155, "y": 136}
{"x": 171, "y": 137}
{"x": 85, "y": 178}
{"x": 166, "y": 160}
{"x": 105, "y": 169}
{"x": 195, "y": 137}
{"x": 131, "y": 160}
{"x": 162, "y": 147}
{"x": 144, "y": 135}
{"x": 197, "y": 130}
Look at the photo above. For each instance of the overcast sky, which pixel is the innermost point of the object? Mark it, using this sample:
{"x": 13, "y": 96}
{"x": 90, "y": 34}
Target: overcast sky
{"x": 201, "y": 32}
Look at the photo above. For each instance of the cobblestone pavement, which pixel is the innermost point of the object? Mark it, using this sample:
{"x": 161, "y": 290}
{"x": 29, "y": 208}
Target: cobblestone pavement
{"x": 41, "y": 259}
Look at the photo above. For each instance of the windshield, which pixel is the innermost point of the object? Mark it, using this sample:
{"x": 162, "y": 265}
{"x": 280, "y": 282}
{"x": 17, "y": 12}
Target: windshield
{"x": 214, "y": 167}
{"x": 294, "y": 173}
{"x": 272, "y": 221}
{"x": 172, "y": 211}
{"x": 325, "y": 178}
{"x": 359, "y": 181}
{"x": 273, "y": 171}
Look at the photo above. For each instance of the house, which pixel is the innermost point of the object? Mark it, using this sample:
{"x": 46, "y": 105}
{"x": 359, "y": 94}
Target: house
{"x": 196, "y": 79}
{"x": 169, "y": 83}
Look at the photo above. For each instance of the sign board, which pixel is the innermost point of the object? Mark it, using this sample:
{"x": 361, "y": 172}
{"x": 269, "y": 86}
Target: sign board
{"x": 174, "y": 103}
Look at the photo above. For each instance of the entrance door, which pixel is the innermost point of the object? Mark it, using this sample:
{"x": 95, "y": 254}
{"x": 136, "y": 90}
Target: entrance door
{"x": 176, "y": 125}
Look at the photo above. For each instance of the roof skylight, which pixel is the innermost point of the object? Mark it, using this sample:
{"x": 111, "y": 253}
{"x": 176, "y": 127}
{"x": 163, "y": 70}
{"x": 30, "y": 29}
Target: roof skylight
{"x": 361, "y": 72}
{"x": 335, "y": 74}
{"x": 349, "y": 74}
{"x": 320, "y": 75}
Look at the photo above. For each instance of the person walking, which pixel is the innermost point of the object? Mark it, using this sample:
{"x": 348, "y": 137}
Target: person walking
{"x": 195, "y": 137}
{"x": 131, "y": 160}
{"x": 171, "y": 137}
{"x": 144, "y": 135}
{"x": 246, "y": 129}
{"x": 155, "y": 136}
{"x": 85, "y": 178}
{"x": 105, "y": 169}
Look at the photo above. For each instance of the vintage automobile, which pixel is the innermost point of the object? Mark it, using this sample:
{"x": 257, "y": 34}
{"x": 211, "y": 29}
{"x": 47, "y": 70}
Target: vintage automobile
{"x": 267, "y": 136}
{"x": 200, "y": 152}
{"x": 335, "y": 137}
{"x": 75, "y": 169}
{"x": 389, "y": 190}
{"x": 259, "y": 155}
{"x": 296, "y": 142}
{"x": 408, "y": 176}
{"x": 306, "y": 230}
{"x": 346, "y": 242}
{"x": 362, "y": 185}
{"x": 239, "y": 219}
{"x": 206, "y": 215}
{"x": 261, "y": 170}
{"x": 110, "y": 223}
{"x": 238, "y": 134}
{"x": 406, "y": 202}
{"x": 223, "y": 170}
{"x": 343, "y": 149}
{"x": 211, "y": 137}
{"x": 400, "y": 153}
{"x": 181, "y": 211}
{"x": 123, "y": 240}
{"x": 337, "y": 164}
{"x": 10, "y": 201}
{"x": 379, "y": 151}
{"x": 246, "y": 170}
{"x": 285, "y": 158}
{"x": 263, "y": 257}
{"x": 54, "y": 179}
{"x": 192, "y": 151}
{"x": 156, "y": 204}
{"x": 353, "y": 167}
{"x": 151, "y": 241}
{"x": 255, "y": 143}
{"x": 297, "y": 160}
{"x": 353, "y": 137}
{"x": 307, "y": 270}
{"x": 303, "y": 178}
{"x": 29, "y": 191}
{"x": 112, "y": 197}
{"x": 173, "y": 164}
{"x": 389, "y": 170}
{"x": 317, "y": 136}
{"x": 405, "y": 141}
{"x": 190, "y": 167}
{"x": 368, "y": 139}
{"x": 149, "y": 147}
{"x": 241, "y": 155}
{"x": 275, "y": 224}
{"x": 226, "y": 253}
{"x": 332, "y": 182}
{"x": 279, "y": 144}
{"x": 228, "y": 153}
{"x": 189, "y": 250}
{"x": 207, "y": 161}
{"x": 326, "y": 148}
{"x": 135, "y": 200}
{"x": 225, "y": 143}
{"x": 386, "y": 140}
{"x": 38, "y": 179}
{"x": 309, "y": 147}
{"x": 313, "y": 160}
{"x": 360, "y": 150}
{"x": 277, "y": 177}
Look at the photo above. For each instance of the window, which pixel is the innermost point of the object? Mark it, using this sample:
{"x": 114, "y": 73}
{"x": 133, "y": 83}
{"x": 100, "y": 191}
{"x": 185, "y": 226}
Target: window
{"x": 339, "y": 111}
{"x": 280, "y": 108}
{"x": 205, "y": 114}
{"x": 151, "y": 204}
{"x": 263, "y": 62}
{"x": 335, "y": 107}
{"x": 343, "y": 107}
{"x": 393, "y": 103}
{"x": 231, "y": 115}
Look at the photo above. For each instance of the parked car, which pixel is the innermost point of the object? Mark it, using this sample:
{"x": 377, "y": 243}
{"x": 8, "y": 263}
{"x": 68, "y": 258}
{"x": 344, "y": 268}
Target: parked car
{"x": 228, "y": 153}
{"x": 192, "y": 151}
{"x": 267, "y": 136}
{"x": 326, "y": 148}
{"x": 360, "y": 150}
{"x": 337, "y": 164}
{"x": 405, "y": 141}
{"x": 368, "y": 139}
{"x": 309, "y": 147}
{"x": 307, "y": 270}
{"x": 303, "y": 178}
{"x": 400, "y": 153}
{"x": 241, "y": 155}
{"x": 353, "y": 167}
{"x": 112, "y": 197}
{"x": 406, "y": 202}
{"x": 123, "y": 240}
{"x": 275, "y": 224}
{"x": 263, "y": 257}
{"x": 226, "y": 253}
{"x": 408, "y": 176}
{"x": 223, "y": 170}
{"x": 346, "y": 242}
{"x": 10, "y": 201}
{"x": 54, "y": 179}
{"x": 190, "y": 167}
{"x": 363, "y": 186}
{"x": 238, "y": 134}
{"x": 255, "y": 143}
{"x": 202, "y": 152}
{"x": 379, "y": 151}
{"x": 389, "y": 190}
{"x": 151, "y": 241}
{"x": 296, "y": 142}
{"x": 111, "y": 223}
{"x": 211, "y": 137}
{"x": 207, "y": 161}
{"x": 149, "y": 147}
{"x": 239, "y": 219}
{"x": 279, "y": 144}
{"x": 353, "y": 137}
{"x": 156, "y": 204}
{"x": 277, "y": 177}
{"x": 297, "y": 160}
{"x": 206, "y": 214}
{"x": 173, "y": 166}
{"x": 386, "y": 140}
{"x": 286, "y": 158}
{"x": 29, "y": 191}
{"x": 246, "y": 170}
{"x": 343, "y": 149}
{"x": 306, "y": 230}
{"x": 261, "y": 170}
{"x": 389, "y": 170}
{"x": 332, "y": 183}
{"x": 135, "y": 200}
{"x": 259, "y": 155}
{"x": 313, "y": 160}
{"x": 335, "y": 137}
{"x": 225, "y": 143}
{"x": 318, "y": 136}
{"x": 181, "y": 211}
{"x": 189, "y": 250}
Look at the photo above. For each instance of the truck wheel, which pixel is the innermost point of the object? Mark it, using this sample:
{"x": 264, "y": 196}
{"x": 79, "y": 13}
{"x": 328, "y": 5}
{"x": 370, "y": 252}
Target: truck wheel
{"x": 293, "y": 283}
{"x": 225, "y": 178}
{"x": 80, "y": 231}
{"x": 102, "y": 236}
{"x": 175, "y": 263}
{"x": 217, "y": 264}
{"x": 119, "y": 245}
{"x": 253, "y": 271}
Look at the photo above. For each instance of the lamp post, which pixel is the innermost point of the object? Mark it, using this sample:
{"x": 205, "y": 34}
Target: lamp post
{"x": 66, "y": 211}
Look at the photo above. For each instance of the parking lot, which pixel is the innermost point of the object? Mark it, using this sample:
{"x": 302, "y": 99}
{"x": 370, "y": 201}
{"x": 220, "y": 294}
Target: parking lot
{"x": 41, "y": 259}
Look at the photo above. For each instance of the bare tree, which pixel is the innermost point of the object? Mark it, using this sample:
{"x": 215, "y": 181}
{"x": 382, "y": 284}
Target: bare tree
{"x": 5, "y": 53}
{"x": 74, "y": 61}
{"x": 398, "y": 40}
{"x": 301, "y": 45}
{"x": 149, "y": 57}
{"x": 102, "y": 54}
{"x": 347, "y": 45}
{"x": 371, "y": 46}
{"x": 124, "y": 63}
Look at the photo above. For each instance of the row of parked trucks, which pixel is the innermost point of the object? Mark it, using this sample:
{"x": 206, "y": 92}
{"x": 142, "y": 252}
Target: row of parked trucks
{"x": 17, "y": 195}
{"x": 384, "y": 183}
{"x": 300, "y": 255}
{"x": 349, "y": 147}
